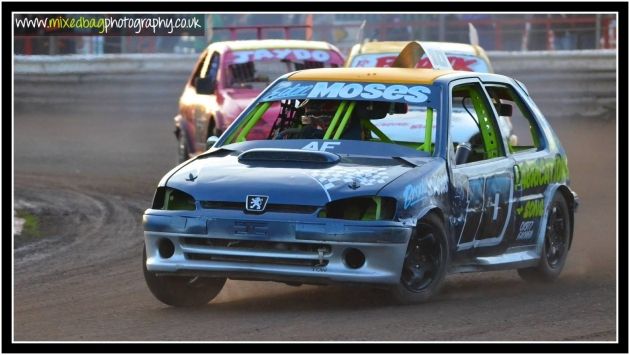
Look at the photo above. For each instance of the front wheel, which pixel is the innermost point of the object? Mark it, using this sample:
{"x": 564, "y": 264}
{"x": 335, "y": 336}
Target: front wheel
{"x": 181, "y": 291}
{"x": 556, "y": 244}
{"x": 426, "y": 262}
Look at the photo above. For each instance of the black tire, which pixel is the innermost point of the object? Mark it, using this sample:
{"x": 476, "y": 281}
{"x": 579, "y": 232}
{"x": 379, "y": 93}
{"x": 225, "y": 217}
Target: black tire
{"x": 556, "y": 244}
{"x": 183, "y": 153}
{"x": 181, "y": 291}
{"x": 426, "y": 263}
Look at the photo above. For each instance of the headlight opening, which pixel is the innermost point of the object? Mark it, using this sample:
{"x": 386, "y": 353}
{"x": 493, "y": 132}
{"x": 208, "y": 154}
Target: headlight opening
{"x": 365, "y": 208}
{"x": 167, "y": 198}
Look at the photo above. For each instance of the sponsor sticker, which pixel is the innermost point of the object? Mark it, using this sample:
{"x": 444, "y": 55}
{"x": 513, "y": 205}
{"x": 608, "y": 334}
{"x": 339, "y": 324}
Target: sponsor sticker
{"x": 289, "y": 90}
{"x": 526, "y": 230}
{"x": 294, "y": 55}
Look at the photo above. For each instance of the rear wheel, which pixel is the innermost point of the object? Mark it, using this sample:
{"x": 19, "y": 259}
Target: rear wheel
{"x": 556, "y": 244}
{"x": 180, "y": 291}
{"x": 426, "y": 263}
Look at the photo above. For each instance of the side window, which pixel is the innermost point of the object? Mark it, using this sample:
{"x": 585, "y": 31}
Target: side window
{"x": 200, "y": 64}
{"x": 517, "y": 123}
{"x": 407, "y": 125}
{"x": 211, "y": 69}
{"x": 473, "y": 128}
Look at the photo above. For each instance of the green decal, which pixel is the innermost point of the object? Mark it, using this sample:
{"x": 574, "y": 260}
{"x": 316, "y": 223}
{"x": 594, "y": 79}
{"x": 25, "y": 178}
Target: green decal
{"x": 530, "y": 209}
{"x": 542, "y": 172}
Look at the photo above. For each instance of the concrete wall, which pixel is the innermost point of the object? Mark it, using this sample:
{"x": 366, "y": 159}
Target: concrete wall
{"x": 563, "y": 83}
{"x": 106, "y": 82}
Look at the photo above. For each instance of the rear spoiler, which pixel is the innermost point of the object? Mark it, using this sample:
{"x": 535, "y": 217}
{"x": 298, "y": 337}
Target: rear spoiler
{"x": 413, "y": 51}
{"x": 473, "y": 36}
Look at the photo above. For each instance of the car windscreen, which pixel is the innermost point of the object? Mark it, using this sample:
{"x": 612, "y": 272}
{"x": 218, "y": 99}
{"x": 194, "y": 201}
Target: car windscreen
{"x": 340, "y": 111}
{"x": 459, "y": 61}
{"x": 256, "y": 69}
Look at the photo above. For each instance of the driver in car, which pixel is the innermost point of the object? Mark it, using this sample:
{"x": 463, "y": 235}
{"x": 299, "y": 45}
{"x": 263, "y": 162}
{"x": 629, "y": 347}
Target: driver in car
{"x": 314, "y": 122}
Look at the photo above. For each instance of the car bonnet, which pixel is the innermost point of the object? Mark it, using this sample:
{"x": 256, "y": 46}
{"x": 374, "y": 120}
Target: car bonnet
{"x": 296, "y": 172}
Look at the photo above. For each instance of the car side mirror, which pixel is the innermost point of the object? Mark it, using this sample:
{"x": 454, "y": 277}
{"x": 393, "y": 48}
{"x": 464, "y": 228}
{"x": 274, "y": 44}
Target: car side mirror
{"x": 205, "y": 86}
{"x": 211, "y": 141}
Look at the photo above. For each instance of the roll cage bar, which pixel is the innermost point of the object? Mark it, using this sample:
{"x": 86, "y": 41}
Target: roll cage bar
{"x": 336, "y": 128}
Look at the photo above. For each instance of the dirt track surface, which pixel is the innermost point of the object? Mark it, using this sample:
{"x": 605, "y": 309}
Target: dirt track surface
{"x": 93, "y": 170}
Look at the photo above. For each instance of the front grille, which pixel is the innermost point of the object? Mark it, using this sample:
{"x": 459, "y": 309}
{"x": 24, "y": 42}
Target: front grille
{"x": 256, "y": 251}
{"x": 271, "y": 207}
{"x": 257, "y": 244}
{"x": 255, "y": 259}
{"x": 222, "y": 205}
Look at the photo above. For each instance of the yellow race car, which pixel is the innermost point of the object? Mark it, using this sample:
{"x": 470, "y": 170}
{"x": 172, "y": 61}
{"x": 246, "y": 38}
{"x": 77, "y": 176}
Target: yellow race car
{"x": 462, "y": 56}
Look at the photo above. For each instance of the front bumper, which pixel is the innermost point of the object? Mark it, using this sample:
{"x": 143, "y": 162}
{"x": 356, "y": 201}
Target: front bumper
{"x": 275, "y": 247}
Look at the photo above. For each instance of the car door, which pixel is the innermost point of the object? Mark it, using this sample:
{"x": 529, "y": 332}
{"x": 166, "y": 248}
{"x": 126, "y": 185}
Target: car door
{"x": 533, "y": 168}
{"x": 483, "y": 181}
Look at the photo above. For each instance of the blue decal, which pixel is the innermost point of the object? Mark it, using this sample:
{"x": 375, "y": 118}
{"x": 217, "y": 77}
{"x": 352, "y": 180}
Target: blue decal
{"x": 289, "y": 90}
{"x": 434, "y": 185}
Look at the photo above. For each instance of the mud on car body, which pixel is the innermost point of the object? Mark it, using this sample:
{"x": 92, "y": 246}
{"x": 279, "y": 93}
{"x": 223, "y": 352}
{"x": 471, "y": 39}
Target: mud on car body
{"x": 327, "y": 197}
{"x": 228, "y": 75}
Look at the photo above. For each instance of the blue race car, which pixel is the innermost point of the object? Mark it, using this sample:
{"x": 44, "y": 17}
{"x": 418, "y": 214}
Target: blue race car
{"x": 330, "y": 198}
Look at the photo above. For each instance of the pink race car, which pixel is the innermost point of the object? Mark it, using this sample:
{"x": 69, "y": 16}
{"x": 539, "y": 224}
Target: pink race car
{"x": 229, "y": 75}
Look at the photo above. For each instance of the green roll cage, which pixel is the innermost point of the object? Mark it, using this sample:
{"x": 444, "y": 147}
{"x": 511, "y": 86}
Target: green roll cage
{"x": 337, "y": 126}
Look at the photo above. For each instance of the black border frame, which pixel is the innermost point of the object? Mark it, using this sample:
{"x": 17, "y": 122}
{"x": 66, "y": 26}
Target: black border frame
{"x": 490, "y": 7}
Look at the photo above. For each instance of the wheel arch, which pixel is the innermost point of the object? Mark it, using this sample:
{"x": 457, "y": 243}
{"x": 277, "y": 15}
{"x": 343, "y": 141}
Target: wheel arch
{"x": 566, "y": 193}
{"x": 441, "y": 216}
{"x": 570, "y": 199}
